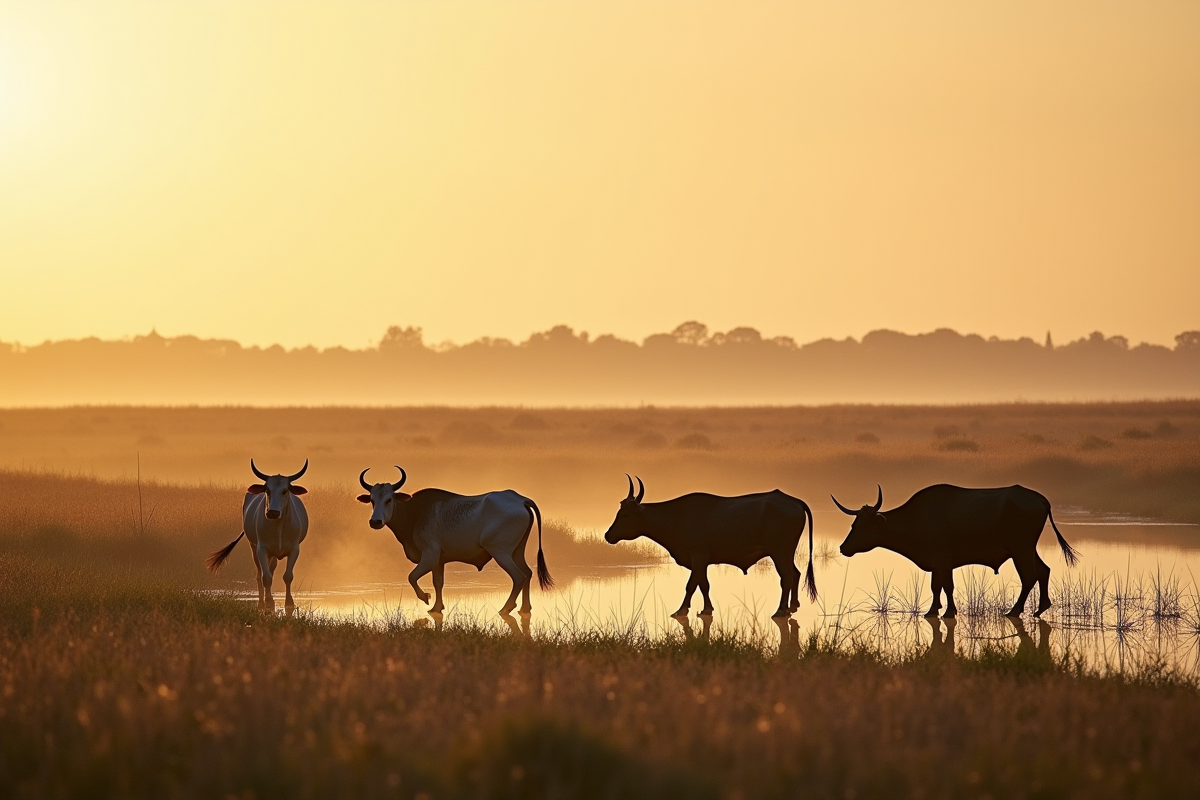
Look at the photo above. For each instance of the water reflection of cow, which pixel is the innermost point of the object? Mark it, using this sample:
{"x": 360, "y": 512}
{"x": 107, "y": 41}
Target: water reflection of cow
{"x": 944, "y": 527}
{"x": 702, "y": 529}
{"x": 436, "y": 527}
{"x": 942, "y": 648}
{"x": 789, "y": 633}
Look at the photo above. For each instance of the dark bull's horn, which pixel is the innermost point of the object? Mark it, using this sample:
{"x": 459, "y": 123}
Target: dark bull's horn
{"x": 362, "y": 479}
{"x": 630, "y": 495}
{"x": 403, "y": 477}
{"x": 641, "y": 491}
{"x": 303, "y": 470}
{"x": 257, "y": 473}
{"x": 842, "y": 507}
{"x": 878, "y": 503}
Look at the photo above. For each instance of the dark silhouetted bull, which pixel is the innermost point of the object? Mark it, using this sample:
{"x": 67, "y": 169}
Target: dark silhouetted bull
{"x": 943, "y": 527}
{"x": 701, "y": 529}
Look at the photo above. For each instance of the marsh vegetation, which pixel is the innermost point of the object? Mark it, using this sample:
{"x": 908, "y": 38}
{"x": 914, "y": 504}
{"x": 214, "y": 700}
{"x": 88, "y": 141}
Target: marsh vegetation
{"x": 128, "y": 671}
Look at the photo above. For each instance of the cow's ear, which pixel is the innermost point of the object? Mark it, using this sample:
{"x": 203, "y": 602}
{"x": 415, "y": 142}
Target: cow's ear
{"x": 257, "y": 488}
{"x": 294, "y": 489}
{"x": 401, "y": 496}
{"x": 364, "y": 498}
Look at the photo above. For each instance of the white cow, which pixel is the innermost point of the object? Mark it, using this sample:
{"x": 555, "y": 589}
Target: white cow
{"x": 435, "y": 527}
{"x": 275, "y": 522}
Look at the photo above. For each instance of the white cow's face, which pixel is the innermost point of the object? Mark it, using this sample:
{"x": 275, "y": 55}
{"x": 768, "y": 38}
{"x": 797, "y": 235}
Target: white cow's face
{"x": 276, "y": 488}
{"x": 383, "y": 499}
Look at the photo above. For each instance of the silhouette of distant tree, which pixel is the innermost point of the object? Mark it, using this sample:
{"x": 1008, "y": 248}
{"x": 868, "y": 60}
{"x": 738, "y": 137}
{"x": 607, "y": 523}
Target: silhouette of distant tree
{"x": 1188, "y": 341}
{"x": 397, "y": 337}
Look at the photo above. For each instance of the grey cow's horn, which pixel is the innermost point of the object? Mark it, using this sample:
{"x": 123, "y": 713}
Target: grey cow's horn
{"x": 641, "y": 490}
{"x": 362, "y": 476}
{"x": 879, "y": 502}
{"x": 256, "y": 471}
{"x": 403, "y": 476}
{"x": 842, "y": 507}
{"x": 303, "y": 469}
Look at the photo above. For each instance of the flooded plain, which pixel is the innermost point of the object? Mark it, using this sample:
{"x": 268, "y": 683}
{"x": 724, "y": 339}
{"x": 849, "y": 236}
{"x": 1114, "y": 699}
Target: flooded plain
{"x": 1132, "y": 603}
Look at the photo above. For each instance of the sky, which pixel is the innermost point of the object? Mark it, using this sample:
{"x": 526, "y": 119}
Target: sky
{"x": 311, "y": 173}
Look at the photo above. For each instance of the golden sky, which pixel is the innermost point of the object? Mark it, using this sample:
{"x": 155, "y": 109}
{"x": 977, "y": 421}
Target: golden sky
{"x": 314, "y": 172}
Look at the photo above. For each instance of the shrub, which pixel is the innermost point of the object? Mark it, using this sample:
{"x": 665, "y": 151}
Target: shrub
{"x": 694, "y": 441}
{"x": 959, "y": 446}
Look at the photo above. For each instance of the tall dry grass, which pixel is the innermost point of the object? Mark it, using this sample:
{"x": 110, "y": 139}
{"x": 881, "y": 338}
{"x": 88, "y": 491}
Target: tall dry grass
{"x": 112, "y": 686}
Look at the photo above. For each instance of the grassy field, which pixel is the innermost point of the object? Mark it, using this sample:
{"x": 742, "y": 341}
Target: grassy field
{"x": 118, "y": 678}
{"x": 122, "y": 686}
{"x": 1137, "y": 458}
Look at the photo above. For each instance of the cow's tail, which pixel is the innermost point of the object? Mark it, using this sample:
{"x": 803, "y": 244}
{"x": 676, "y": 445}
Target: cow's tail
{"x": 1069, "y": 553}
{"x": 810, "y": 580}
{"x": 217, "y": 557}
{"x": 544, "y": 579}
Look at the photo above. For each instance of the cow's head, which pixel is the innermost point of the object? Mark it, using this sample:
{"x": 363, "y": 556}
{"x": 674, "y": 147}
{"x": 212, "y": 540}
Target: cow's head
{"x": 628, "y": 524}
{"x": 869, "y": 529}
{"x": 383, "y": 497}
{"x": 276, "y": 488}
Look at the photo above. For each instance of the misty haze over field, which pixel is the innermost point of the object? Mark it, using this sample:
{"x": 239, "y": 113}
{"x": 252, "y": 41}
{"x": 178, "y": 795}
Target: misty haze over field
{"x": 688, "y": 366}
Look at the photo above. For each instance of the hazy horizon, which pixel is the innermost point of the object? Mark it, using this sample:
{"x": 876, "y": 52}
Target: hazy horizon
{"x": 688, "y": 366}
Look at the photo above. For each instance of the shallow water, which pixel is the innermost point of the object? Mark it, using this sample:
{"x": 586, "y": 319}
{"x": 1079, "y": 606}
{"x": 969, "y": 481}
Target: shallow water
{"x": 1131, "y": 603}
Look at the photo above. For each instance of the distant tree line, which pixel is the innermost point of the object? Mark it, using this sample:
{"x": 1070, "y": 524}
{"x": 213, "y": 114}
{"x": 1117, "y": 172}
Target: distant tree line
{"x": 688, "y": 366}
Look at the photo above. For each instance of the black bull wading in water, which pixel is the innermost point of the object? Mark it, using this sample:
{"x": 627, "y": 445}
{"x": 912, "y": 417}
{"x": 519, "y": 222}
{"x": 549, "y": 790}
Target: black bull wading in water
{"x": 943, "y": 527}
{"x": 701, "y": 529}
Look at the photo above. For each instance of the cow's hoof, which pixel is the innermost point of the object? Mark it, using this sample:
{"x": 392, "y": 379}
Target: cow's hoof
{"x": 526, "y": 612}
{"x": 705, "y": 614}
{"x": 1014, "y": 614}
{"x": 782, "y": 613}
{"x": 681, "y": 614}
{"x": 950, "y": 614}
{"x": 1041, "y": 610}
{"x": 931, "y": 613}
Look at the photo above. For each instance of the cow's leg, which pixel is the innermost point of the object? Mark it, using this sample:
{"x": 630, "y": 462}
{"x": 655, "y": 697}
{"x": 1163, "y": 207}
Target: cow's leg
{"x": 948, "y": 587}
{"x": 795, "y": 605}
{"x": 1027, "y": 572}
{"x": 788, "y": 582}
{"x": 523, "y": 565}
{"x": 439, "y": 580}
{"x": 702, "y": 581}
{"x": 429, "y": 560}
{"x": 1043, "y": 581}
{"x": 687, "y": 596}
{"x": 935, "y": 586}
{"x": 526, "y": 606}
{"x": 289, "y": 604}
{"x": 268, "y": 575}
{"x": 506, "y": 562}
{"x": 258, "y": 574}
